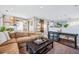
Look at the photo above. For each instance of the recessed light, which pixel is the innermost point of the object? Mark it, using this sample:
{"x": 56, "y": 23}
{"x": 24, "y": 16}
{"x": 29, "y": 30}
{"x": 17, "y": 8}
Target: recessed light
{"x": 41, "y": 6}
{"x": 6, "y": 10}
{"x": 11, "y": 8}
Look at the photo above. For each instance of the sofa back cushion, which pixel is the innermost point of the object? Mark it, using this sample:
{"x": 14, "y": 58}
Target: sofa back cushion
{"x": 25, "y": 34}
{"x": 38, "y": 33}
{"x": 21, "y": 34}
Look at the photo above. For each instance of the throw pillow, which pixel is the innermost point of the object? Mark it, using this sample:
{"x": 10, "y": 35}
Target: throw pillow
{"x": 7, "y": 35}
{"x": 3, "y": 38}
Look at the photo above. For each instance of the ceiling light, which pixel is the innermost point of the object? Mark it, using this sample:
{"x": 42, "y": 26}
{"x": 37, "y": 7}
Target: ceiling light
{"x": 11, "y": 8}
{"x": 41, "y": 6}
{"x": 11, "y": 17}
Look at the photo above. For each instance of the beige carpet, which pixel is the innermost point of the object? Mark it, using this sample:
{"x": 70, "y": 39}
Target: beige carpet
{"x": 57, "y": 49}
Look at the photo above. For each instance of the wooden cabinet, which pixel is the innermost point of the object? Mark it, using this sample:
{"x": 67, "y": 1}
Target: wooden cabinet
{"x": 40, "y": 25}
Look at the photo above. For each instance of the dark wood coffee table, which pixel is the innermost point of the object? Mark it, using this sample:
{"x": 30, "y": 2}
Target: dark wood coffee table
{"x": 33, "y": 48}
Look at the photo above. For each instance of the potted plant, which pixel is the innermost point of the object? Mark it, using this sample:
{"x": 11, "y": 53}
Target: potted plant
{"x": 10, "y": 29}
{"x": 61, "y": 25}
{"x": 66, "y": 25}
{"x": 2, "y": 28}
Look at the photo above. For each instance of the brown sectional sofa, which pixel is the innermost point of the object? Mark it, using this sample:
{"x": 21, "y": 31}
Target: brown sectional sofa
{"x": 11, "y": 46}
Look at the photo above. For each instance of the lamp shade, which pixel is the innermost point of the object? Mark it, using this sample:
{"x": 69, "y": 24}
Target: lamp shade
{"x": 12, "y": 20}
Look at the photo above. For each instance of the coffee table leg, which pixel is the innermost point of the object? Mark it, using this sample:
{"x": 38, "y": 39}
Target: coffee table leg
{"x": 26, "y": 47}
{"x": 52, "y": 44}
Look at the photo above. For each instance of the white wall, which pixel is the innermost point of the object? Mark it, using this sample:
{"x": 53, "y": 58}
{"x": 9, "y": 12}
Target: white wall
{"x": 1, "y": 21}
{"x": 72, "y": 28}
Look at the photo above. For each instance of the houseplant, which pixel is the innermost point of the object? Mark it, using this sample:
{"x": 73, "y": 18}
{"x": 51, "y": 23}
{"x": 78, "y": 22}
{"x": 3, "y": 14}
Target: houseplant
{"x": 61, "y": 25}
{"x": 10, "y": 29}
{"x": 2, "y": 28}
{"x": 66, "y": 25}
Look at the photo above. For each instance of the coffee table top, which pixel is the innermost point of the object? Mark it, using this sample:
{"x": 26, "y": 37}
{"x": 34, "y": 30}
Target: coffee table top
{"x": 35, "y": 47}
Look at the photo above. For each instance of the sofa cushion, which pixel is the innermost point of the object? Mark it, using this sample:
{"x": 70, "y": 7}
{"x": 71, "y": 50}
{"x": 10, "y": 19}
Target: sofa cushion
{"x": 35, "y": 36}
{"x": 13, "y": 40}
{"x": 25, "y": 34}
{"x": 23, "y": 39}
{"x": 38, "y": 33}
{"x": 27, "y": 39}
{"x": 9, "y": 49}
{"x": 21, "y": 34}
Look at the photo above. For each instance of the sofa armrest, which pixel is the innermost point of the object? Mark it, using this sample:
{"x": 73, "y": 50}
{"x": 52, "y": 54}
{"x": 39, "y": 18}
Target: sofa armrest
{"x": 12, "y": 35}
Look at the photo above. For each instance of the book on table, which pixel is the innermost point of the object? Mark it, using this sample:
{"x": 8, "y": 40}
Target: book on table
{"x": 39, "y": 41}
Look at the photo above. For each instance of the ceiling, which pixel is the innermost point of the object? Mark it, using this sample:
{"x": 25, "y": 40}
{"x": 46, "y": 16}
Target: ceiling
{"x": 46, "y": 11}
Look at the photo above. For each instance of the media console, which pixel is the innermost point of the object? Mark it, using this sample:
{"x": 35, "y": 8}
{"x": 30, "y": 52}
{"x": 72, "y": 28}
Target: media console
{"x": 56, "y": 37}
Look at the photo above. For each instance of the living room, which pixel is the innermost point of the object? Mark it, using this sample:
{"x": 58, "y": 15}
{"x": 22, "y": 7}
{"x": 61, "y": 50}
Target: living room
{"x": 33, "y": 29}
